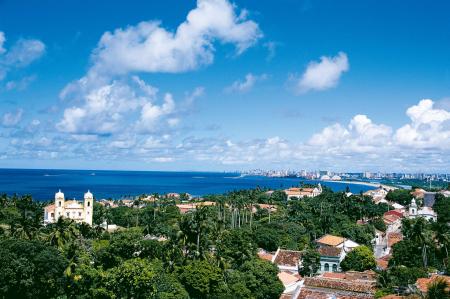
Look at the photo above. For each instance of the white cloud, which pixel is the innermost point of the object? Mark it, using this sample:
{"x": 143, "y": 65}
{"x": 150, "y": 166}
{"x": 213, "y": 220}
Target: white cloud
{"x": 429, "y": 127}
{"x": 24, "y": 52}
{"x": 21, "y": 54}
{"x": 20, "y": 84}
{"x": 104, "y": 105}
{"x": 246, "y": 85}
{"x": 151, "y": 115}
{"x": 120, "y": 106}
{"x": 324, "y": 74}
{"x": 361, "y": 135}
{"x": 148, "y": 47}
{"x": 162, "y": 159}
{"x": 2, "y": 41}
{"x": 271, "y": 49}
{"x": 11, "y": 119}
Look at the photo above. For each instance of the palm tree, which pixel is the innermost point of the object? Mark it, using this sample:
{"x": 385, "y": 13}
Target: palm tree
{"x": 63, "y": 232}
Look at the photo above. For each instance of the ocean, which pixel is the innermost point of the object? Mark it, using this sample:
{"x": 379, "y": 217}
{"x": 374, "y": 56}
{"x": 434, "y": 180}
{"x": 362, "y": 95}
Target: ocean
{"x": 42, "y": 184}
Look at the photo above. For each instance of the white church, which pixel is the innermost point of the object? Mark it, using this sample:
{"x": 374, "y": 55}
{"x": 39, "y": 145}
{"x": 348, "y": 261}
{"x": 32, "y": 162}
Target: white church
{"x": 72, "y": 209}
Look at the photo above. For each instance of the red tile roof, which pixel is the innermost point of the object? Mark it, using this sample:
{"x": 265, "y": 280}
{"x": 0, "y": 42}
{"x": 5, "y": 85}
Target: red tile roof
{"x": 394, "y": 212}
{"x": 329, "y": 251}
{"x": 334, "y": 275}
{"x": 422, "y": 283}
{"x": 287, "y": 257}
{"x": 394, "y": 238}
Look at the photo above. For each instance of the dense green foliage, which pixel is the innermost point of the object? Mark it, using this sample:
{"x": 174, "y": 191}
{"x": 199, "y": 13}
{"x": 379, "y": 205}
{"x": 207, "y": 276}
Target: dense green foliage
{"x": 359, "y": 259}
{"x": 400, "y": 196}
{"x": 209, "y": 252}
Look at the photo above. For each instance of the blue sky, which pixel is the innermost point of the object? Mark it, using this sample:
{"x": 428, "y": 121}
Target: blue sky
{"x": 218, "y": 85}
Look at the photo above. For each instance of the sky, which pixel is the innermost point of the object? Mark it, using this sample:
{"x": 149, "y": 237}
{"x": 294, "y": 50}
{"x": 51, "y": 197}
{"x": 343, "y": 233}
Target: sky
{"x": 215, "y": 85}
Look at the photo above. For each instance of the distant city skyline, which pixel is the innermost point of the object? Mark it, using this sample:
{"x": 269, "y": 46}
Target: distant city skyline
{"x": 220, "y": 86}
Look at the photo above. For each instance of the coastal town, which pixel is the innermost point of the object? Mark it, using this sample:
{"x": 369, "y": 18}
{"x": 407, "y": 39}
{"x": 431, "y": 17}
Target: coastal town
{"x": 224, "y": 149}
{"x": 336, "y": 264}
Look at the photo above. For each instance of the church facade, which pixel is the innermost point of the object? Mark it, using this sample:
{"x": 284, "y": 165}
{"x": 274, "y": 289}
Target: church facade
{"x": 71, "y": 209}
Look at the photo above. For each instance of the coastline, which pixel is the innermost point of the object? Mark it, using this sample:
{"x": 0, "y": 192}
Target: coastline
{"x": 363, "y": 183}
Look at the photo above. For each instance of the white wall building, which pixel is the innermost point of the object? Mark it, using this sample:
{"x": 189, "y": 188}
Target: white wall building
{"x": 425, "y": 212}
{"x": 72, "y": 209}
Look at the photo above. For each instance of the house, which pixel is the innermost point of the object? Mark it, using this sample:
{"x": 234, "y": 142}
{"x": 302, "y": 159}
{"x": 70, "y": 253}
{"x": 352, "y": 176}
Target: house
{"x": 393, "y": 221}
{"x": 383, "y": 242}
{"x": 332, "y": 250}
{"x": 298, "y": 193}
{"x": 418, "y": 193}
{"x": 71, "y": 209}
{"x": 425, "y": 212}
{"x": 291, "y": 283}
{"x": 330, "y": 258}
{"x": 378, "y": 195}
{"x": 383, "y": 262}
{"x": 336, "y": 241}
{"x": 188, "y": 207}
{"x": 348, "y": 285}
{"x": 263, "y": 206}
{"x": 265, "y": 255}
{"x": 287, "y": 260}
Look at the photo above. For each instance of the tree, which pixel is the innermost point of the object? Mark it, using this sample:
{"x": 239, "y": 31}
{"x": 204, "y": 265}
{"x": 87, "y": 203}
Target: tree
{"x": 139, "y": 278}
{"x": 359, "y": 259}
{"x": 30, "y": 269}
{"x": 62, "y": 233}
{"x": 279, "y": 196}
{"x": 310, "y": 262}
{"x": 267, "y": 237}
{"x": 201, "y": 279}
{"x": 398, "y": 278}
{"x": 236, "y": 246}
{"x": 400, "y": 196}
{"x": 442, "y": 208}
{"x": 261, "y": 278}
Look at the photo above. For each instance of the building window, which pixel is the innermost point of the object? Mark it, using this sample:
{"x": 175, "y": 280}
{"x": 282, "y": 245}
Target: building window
{"x": 68, "y": 214}
{"x": 52, "y": 215}
{"x": 59, "y": 203}
{"x": 334, "y": 268}
{"x": 89, "y": 203}
{"x": 327, "y": 267}
{"x": 79, "y": 214}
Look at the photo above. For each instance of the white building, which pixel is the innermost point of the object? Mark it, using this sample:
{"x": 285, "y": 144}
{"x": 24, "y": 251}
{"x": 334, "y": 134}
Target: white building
{"x": 72, "y": 209}
{"x": 298, "y": 193}
{"x": 425, "y": 212}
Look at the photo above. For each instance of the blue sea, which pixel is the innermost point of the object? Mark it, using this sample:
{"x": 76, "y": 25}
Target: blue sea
{"x": 43, "y": 183}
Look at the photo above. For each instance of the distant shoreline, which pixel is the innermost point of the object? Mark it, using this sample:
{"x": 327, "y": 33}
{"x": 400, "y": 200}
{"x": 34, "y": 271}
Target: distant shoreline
{"x": 363, "y": 183}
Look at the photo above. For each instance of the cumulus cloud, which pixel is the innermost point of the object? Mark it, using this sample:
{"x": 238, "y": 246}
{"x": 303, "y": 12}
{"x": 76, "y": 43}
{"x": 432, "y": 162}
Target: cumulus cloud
{"x": 246, "y": 85}
{"x": 21, "y": 54}
{"x": 11, "y": 119}
{"x": 148, "y": 47}
{"x": 106, "y": 102}
{"x": 429, "y": 127}
{"x": 360, "y": 135}
{"x": 113, "y": 108}
{"x": 322, "y": 75}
